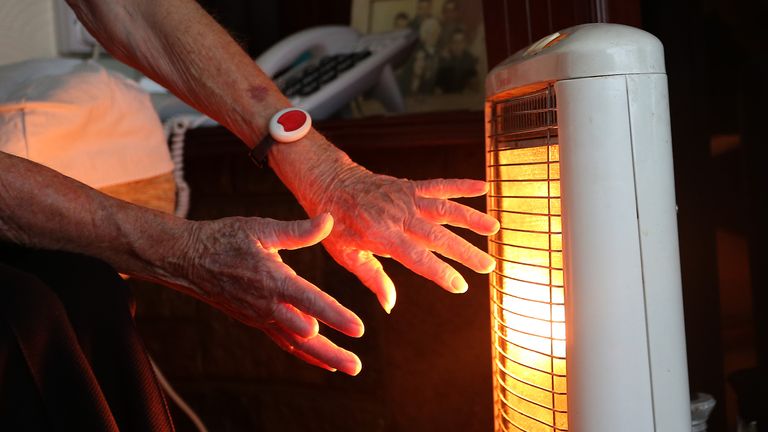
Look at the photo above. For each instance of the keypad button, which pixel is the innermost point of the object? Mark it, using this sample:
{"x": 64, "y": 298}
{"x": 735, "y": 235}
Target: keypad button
{"x": 309, "y": 88}
{"x": 327, "y": 76}
{"x": 362, "y": 55}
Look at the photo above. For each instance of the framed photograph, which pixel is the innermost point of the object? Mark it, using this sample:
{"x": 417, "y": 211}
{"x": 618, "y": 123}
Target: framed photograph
{"x": 447, "y": 68}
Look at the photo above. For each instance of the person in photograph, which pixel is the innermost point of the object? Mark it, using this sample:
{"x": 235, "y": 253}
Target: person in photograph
{"x": 450, "y": 22}
{"x": 423, "y": 12}
{"x": 418, "y": 76}
{"x": 401, "y": 21}
{"x": 457, "y": 66}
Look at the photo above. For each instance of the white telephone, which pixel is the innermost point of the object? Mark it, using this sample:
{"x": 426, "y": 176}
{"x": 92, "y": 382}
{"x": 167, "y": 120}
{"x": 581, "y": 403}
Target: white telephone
{"x": 322, "y": 68}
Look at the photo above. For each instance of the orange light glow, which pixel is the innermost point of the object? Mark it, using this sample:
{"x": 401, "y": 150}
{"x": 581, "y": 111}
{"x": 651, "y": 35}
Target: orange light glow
{"x": 527, "y": 292}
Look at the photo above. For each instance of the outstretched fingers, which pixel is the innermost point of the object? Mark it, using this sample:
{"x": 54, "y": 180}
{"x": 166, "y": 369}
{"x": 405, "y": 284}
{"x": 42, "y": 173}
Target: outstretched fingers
{"x": 311, "y": 300}
{"x": 450, "y": 245}
{"x": 296, "y": 321}
{"x": 286, "y": 346}
{"x": 450, "y": 188}
{"x": 442, "y": 211}
{"x": 370, "y": 272}
{"x": 317, "y": 350}
{"x": 419, "y": 259}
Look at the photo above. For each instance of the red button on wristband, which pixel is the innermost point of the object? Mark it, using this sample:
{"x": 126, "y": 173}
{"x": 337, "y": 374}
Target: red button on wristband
{"x": 287, "y": 125}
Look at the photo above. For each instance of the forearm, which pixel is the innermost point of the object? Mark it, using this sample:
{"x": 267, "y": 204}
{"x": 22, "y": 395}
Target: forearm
{"x": 41, "y": 208}
{"x": 176, "y": 43}
{"x": 230, "y": 263}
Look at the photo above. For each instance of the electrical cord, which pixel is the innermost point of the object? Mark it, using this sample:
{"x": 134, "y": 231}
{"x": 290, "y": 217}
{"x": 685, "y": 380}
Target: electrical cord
{"x": 175, "y": 130}
{"x": 178, "y": 400}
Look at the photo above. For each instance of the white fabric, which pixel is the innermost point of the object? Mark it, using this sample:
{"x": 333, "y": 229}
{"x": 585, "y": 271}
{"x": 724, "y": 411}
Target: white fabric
{"x": 81, "y": 120}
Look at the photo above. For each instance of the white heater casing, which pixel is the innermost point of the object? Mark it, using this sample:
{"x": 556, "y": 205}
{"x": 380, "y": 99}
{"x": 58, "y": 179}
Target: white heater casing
{"x": 625, "y": 339}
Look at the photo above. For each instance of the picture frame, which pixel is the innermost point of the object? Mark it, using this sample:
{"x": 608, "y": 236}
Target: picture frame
{"x": 447, "y": 68}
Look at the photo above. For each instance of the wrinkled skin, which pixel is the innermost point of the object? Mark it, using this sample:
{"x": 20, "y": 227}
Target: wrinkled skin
{"x": 391, "y": 217}
{"x": 371, "y": 215}
{"x": 233, "y": 263}
{"x": 235, "y": 266}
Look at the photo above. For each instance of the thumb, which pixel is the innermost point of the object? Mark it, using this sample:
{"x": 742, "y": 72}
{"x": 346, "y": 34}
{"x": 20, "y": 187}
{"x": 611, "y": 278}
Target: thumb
{"x": 295, "y": 234}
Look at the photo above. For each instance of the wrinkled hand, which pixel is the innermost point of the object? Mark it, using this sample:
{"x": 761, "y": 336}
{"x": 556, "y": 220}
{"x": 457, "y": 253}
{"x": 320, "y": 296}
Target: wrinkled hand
{"x": 234, "y": 266}
{"x": 391, "y": 217}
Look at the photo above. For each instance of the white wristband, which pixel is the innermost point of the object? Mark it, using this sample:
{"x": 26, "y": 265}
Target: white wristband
{"x": 286, "y": 126}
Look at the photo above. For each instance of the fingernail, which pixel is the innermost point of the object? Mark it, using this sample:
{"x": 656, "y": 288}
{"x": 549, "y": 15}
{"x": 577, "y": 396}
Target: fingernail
{"x": 355, "y": 369}
{"x": 387, "y": 304}
{"x": 354, "y": 327}
{"x": 315, "y": 329}
{"x": 496, "y": 227}
{"x": 489, "y": 265}
{"x": 458, "y": 284}
{"x": 361, "y": 330}
{"x": 387, "y": 296}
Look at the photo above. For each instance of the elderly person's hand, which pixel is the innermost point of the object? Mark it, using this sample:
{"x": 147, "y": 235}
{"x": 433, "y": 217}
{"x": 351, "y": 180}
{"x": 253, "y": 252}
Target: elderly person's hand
{"x": 376, "y": 215}
{"x": 233, "y": 264}
{"x": 391, "y": 217}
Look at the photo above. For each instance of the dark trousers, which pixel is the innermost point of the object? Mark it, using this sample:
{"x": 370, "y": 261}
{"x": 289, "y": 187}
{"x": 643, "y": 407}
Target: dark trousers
{"x": 70, "y": 355}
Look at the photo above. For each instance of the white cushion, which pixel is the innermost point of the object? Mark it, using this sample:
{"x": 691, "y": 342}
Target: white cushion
{"x": 81, "y": 120}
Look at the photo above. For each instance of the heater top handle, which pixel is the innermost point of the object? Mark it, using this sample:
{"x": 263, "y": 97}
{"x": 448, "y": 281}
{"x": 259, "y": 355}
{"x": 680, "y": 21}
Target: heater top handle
{"x": 588, "y": 50}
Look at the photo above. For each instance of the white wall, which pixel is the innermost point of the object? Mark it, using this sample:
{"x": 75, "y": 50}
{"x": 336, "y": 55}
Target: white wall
{"x": 26, "y": 30}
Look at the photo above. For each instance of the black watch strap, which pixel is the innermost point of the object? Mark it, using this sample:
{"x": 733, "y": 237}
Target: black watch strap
{"x": 258, "y": 153}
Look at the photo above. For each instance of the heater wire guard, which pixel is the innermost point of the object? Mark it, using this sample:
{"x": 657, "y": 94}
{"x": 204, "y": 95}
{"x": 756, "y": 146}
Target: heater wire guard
{"x": 527, "y": 292}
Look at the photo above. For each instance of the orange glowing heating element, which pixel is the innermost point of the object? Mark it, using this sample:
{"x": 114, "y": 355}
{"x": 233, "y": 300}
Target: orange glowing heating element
{"x": 527, "y": 292}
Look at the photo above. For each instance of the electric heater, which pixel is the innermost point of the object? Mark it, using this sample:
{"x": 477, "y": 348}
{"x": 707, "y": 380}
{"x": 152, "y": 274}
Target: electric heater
{"x": 586, "y": 304}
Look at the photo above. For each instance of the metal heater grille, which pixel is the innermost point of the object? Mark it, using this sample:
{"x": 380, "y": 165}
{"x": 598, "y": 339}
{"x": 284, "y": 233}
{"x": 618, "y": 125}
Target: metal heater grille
{"x": 527, "y": 292}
